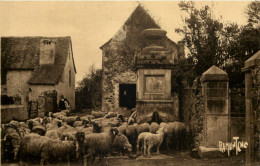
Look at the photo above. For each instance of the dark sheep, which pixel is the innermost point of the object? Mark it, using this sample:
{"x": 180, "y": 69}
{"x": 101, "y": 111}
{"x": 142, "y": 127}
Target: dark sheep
{"x": 98, "y": 144}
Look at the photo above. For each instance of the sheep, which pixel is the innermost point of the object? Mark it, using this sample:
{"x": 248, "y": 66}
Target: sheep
{"x": 54, "y": 124}
{"x": 152, "y": 140}
{"x": 86, "y": 130}
{"x": 122, "y": 128}
{"x": 15, "y": 123}
{"x": 67, "y": 112}
{"x": 44, "y": 148}
{"x": 77, "y": 123}
{"x": 143, "y": 128}
{"x": 162, "y": 124}
{"x": 140, "y": 139}
{"x": 110, "y": 115}
{"x": 53, "y": 134}
{"x": 87, "y": 117}
{"x": 23, "y": 125}
{"x": 31, "y": 147}
{"x": 97, "y": 114}
{"x": 53, "y": 150}
{"x": 98, "y": 143}
{"x": 121, "y": 144}
{"x": 71, "y": 119}
{"x": 11, "y": 142}
{"x": 60, "y": 115}
{"x": 39, "y": 129}
{"x": 131, "y": 134}
{"x": 180, "y": 134}
{"x": 174, "y": 132}
{"x": 154, "y": 127}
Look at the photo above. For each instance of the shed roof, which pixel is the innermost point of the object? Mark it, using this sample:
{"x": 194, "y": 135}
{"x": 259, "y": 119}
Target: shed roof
{"x": 22, "y": 53}
{"x": 214, "y": 74}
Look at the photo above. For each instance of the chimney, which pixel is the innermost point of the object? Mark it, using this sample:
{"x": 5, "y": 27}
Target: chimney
{"x": 181, "y": 52}
{"x": 47, "y": 51}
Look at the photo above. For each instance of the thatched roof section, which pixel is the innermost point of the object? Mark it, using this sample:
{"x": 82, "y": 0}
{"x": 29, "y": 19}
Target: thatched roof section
{"x": 46, "y": 75}
{"x": 140, "y": 19}
{"x": 22, "y": 53}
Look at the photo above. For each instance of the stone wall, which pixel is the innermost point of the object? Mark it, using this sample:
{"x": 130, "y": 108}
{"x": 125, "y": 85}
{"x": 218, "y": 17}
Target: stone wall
{"x": 10, "y": 112}
{"x": 16, "y": 85}
{"x": 193, "y": 112}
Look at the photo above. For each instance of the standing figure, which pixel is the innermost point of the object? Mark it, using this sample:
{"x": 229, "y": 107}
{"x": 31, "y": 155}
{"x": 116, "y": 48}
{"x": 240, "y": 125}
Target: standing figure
{"x": 64, "y": 103}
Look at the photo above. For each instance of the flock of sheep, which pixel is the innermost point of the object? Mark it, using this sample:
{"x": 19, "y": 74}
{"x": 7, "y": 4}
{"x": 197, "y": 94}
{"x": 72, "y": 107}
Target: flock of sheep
{"x": 61, "y": 137}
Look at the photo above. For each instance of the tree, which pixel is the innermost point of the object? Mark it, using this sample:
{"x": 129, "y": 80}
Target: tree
{"x": 89, "y": 90}
{"x": 253, "y": 12}
{"x": 211, "y": 42}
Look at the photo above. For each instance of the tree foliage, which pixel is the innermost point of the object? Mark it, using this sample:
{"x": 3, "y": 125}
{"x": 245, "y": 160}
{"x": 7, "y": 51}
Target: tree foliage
{"x": 89, "y": 90}
{"x": 210, "y": 41}
{"x": 253, "y": 13}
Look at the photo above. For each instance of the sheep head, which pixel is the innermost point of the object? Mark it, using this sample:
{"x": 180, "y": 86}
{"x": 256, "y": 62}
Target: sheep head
{"x": 80, "y": 137}
{"x": 114, "y": 131}
{"x": 14, "y": 141}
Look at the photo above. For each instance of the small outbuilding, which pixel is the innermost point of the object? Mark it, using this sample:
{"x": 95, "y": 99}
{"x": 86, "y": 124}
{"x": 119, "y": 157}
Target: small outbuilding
{"x": 33, "y": 65}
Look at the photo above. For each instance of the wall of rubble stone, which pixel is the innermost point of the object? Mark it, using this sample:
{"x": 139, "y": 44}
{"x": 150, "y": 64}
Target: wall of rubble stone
{"x": 193, "y": 111}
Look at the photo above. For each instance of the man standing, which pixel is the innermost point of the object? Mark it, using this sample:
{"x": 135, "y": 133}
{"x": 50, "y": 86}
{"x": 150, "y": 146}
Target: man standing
{"x": 64, "y": 103}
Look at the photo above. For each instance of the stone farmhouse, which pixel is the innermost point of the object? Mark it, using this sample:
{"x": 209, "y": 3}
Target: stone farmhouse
{"x": 119, "y": 55}
{"x": 33, "y": 65}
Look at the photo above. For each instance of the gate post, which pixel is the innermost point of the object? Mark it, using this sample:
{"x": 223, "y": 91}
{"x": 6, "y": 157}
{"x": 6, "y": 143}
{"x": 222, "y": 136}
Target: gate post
{"x": 252, "y": 94}
{"x": 216, "y": 111}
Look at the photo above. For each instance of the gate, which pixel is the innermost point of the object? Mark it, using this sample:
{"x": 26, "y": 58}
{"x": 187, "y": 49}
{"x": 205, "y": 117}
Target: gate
{"x": 33, "y": 109}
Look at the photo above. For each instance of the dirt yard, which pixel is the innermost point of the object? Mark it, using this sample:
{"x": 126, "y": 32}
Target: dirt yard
{"x": 172, "y": 159}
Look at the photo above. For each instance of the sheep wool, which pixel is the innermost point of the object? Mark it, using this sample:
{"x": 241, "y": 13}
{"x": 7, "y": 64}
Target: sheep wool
{"x": 99, "y": 143}
{"x": 140, "y": 140}
{"x": 31, "y": 146}
{"x": 122, "y": 128}
{"x": 143, "y": 128}
{"x": 131, "y": 134}
{"x": 121, "y": 143}
{"x": 154, "y": 127}
{"x": 152, "y": 140}
{"x": 53, "y": 134}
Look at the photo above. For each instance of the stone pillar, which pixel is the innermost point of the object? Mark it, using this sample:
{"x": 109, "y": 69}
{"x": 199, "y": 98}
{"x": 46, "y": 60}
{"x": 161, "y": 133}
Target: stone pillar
{"x": 154, "y": 66}
{"x": 252, "y": 94}
{"x": 216, "y": 115}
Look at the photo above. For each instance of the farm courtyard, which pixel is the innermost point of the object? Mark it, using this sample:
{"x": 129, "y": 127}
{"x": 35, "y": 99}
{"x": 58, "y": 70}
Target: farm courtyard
{"x": 174, "y": 158}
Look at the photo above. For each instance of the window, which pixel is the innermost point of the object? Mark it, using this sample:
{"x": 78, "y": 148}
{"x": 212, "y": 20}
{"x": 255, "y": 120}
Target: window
{"x": 127, "y": 95}
{"x": 69, "y": 78}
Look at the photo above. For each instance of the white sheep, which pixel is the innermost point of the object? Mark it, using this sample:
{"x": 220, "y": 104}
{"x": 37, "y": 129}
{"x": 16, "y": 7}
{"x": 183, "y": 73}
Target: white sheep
{"x": 140, "y": 139}
{"x": 152, "y": 140}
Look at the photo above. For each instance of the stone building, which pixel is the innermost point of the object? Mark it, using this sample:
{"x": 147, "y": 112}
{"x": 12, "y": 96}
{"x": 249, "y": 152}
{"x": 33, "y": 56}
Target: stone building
{"x": 32, "y": 65}
{"x": 119, "y": 77}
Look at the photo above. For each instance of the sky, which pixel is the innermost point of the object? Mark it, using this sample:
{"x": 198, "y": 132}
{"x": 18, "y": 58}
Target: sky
{"x": 91, "y": 24}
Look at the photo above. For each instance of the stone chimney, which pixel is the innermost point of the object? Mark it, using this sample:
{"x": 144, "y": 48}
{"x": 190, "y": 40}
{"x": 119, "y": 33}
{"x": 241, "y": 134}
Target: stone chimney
{"x": 47, "y": 51}
{"x": 180, "y": 48}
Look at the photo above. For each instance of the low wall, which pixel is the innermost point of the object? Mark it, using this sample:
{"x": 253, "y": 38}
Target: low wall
{"x": 9, "y": 112}
{"x": 164, "y": 108}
